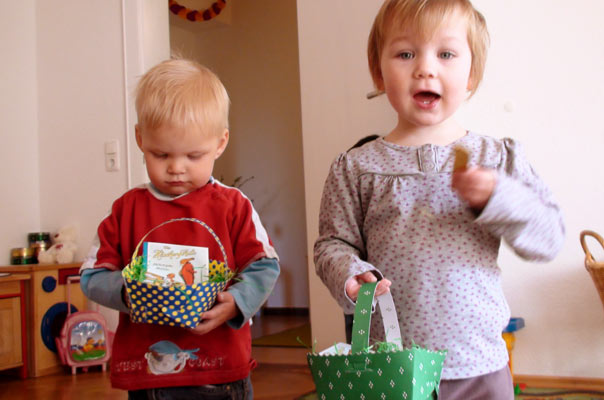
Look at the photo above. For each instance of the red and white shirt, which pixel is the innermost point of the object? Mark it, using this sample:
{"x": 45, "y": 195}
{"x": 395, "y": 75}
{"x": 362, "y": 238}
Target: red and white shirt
{"x": 148, "y": 355}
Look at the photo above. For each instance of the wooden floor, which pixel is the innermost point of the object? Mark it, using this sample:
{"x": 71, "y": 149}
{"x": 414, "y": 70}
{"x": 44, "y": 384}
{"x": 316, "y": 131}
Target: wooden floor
{"x": 268, "y": 324}
{"x": 281, "y": 374}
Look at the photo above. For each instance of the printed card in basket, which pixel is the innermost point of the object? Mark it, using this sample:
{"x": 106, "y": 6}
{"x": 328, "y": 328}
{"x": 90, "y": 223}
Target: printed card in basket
{"x": 168, "y": 264}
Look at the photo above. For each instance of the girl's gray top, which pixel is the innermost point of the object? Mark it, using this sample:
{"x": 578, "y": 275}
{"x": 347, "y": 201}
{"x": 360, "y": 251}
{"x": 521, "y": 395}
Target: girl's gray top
{"x": 391, "y": 208}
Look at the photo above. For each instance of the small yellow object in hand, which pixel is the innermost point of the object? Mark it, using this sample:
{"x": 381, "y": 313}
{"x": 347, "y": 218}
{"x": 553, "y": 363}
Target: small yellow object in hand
{"x": 462, "y": 155}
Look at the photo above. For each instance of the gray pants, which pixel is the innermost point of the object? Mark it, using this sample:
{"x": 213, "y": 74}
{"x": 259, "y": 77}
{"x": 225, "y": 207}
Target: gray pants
{"x": 238, "y": 390}
{"x": 497, "y": 385}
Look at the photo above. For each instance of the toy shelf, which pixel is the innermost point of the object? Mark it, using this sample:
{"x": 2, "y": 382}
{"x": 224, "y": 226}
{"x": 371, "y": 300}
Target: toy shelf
{"x": 46, "y": 310}
{"x": 13, "y": 329}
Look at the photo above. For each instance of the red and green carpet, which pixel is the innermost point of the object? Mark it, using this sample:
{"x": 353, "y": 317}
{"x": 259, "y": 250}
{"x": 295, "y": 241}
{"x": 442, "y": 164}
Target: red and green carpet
{"x": 527, "y": 393}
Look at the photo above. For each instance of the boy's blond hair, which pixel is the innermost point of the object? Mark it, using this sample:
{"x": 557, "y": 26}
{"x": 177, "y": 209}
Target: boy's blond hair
{"x": 424, "y": 18}
{"x": 182, "y": 93}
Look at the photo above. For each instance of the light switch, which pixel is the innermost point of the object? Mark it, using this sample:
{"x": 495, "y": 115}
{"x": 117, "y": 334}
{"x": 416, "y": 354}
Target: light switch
{"x": 112, "y": 156}
{"x": 509, "y": 106}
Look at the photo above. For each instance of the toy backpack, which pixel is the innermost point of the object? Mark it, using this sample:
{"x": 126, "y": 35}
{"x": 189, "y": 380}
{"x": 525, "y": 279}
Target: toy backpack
{"x": 84, "y": 340}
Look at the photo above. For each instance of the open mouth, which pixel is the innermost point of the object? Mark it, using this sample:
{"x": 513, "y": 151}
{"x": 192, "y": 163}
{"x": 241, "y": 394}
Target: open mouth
{"x": 426, "y": 97}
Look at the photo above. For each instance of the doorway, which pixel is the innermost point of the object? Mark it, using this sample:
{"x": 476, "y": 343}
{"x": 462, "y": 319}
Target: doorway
{"x": 253, "y": 48}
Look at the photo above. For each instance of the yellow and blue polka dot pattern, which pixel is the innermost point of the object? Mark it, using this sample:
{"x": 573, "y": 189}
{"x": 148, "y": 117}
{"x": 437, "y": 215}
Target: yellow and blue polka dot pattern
{"x": 175, "y": 305}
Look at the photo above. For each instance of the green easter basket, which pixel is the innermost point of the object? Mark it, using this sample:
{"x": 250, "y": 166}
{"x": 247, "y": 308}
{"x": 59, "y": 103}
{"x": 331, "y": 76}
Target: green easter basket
{"x": 175, "y": 305}
{"x": 389, "y": 373}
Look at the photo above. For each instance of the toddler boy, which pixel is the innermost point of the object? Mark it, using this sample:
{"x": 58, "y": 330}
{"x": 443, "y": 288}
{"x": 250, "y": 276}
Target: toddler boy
{"x": 182, "y": 129}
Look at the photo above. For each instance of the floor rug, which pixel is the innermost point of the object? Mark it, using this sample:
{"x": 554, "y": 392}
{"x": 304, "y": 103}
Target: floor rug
{"x": 558, "y": 394}
{"x": 529, "y": 394}
{"x": 288, "y": 338}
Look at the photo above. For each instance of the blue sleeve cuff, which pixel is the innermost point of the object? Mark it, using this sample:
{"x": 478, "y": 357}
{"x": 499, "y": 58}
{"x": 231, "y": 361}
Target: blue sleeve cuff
{"x": 104, "y": 287}
{"x": 255, "y": 284}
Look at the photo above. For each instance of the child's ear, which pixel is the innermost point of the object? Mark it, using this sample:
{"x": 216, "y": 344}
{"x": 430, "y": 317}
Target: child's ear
{"x": 222, "y": 143}
{"x": 137, "y": 133}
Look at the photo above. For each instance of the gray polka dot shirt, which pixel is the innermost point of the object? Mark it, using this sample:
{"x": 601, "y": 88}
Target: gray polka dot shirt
{"x": 391, "y": 209}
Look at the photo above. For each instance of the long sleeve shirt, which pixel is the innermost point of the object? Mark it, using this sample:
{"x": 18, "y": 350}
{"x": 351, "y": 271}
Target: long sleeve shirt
{"x": 391, "y": 209}
{"x": 150, "y": 355}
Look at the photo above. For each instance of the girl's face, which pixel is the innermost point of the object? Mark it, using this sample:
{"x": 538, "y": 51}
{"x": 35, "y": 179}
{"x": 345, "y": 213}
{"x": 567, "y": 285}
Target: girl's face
{"x": 179, "y": 161}
{"x": 426, "y": 80}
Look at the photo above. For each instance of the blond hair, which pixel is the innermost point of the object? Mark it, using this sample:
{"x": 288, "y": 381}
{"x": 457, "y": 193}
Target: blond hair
{"x": 182, "y": 93}
{"x": 424, "y": 17}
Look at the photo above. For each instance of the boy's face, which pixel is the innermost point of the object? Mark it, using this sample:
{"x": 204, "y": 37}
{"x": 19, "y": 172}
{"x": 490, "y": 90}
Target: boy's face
{"x": 179, "y": 160}
{"x": 427, "y": 80}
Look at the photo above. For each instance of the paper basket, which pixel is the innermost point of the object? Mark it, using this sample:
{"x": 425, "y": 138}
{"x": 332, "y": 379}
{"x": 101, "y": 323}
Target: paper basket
{"x": 412, "y": 374}
{"x": 176, "y": 305}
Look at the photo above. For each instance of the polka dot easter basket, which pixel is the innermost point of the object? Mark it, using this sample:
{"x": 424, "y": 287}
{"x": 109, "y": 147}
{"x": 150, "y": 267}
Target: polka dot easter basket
{"x": 175, "y": 304}
{"x": 383, "y": 371}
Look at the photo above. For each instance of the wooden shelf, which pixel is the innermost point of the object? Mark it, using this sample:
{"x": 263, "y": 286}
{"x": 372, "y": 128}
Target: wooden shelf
{"x": 13, "y": 329}
{"x": 45, "y": 289}
{"x": 38, "y": 267}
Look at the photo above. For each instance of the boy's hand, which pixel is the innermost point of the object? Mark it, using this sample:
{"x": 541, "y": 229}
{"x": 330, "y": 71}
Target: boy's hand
{"x": 353, "y": 285}
{"x": 475, "y": 185}
{"x": 223, "y": 310}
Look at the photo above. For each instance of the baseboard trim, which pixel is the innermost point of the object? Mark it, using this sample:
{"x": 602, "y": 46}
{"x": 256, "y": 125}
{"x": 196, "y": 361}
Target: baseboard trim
{"x": 561, "y": 382}
{"x": 303, "y": 311}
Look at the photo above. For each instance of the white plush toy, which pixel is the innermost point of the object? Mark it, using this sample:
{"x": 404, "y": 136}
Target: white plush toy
{"x": 63, "y": 249}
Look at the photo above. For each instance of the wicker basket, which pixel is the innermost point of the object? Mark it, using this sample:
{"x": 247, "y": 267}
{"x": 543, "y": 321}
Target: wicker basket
{"x": 595, "y": 268}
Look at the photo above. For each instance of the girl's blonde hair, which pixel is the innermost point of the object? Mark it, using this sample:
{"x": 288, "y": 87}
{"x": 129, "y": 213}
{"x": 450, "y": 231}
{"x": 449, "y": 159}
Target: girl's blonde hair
{"x": 182, "y": 93}
{"x": 424, "y": 17}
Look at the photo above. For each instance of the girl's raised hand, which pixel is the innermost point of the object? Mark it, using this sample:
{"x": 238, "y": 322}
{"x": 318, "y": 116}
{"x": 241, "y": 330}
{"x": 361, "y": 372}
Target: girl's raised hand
{"x": 475, "y": 185}
{"x": 353, "y": 285}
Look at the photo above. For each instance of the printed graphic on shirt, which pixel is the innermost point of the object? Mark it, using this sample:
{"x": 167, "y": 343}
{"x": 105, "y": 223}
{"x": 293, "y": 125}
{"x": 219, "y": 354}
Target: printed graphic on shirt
{"x": 166, "y": 357}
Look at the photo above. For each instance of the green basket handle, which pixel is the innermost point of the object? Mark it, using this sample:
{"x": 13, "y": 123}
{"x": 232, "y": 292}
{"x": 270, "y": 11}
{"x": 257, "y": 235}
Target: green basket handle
{"x": 362, "y": 318}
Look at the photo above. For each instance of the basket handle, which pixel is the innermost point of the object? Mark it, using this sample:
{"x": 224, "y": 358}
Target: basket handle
{"x": 588, "y": 255}
{"x": 180, "y": 220}
{"x": 362, "y": 318}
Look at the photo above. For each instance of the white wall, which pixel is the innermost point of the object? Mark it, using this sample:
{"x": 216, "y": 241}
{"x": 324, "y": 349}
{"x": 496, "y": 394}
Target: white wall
{"x": 254, "y": 52}
{"x": 146, "y": 43}
{"x": 63, "y": 94}
{"x": 549, "y": 68}
{"x": 545, "y": 61}
{"x": 20, "y": 210}
{"x": 335, "y": 114}
{"x": 80, "y": 107}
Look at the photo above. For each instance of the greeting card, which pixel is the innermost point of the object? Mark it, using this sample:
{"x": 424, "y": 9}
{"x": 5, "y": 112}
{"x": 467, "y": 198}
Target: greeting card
{"x": 168, "y": 264}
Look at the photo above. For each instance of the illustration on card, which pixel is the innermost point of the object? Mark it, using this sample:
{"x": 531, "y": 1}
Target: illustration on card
{"x": 168, "y": 264}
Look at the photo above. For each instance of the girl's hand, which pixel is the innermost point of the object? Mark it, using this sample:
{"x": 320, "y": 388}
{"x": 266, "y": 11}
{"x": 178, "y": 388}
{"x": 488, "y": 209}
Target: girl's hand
{"x": 223, "y": 310}
{"x": 353, "y": 285}
{"x": 475, "y": 185}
